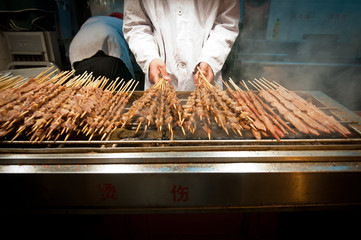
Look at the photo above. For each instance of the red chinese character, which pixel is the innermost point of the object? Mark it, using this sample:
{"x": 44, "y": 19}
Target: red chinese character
{"x": 107, "y": 190}
{"x": 180, "y": 193}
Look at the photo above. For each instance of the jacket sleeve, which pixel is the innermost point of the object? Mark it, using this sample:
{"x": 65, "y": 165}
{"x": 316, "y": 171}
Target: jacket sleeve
{"x": 138, "y": 32}
{"x": 222, "y": 36}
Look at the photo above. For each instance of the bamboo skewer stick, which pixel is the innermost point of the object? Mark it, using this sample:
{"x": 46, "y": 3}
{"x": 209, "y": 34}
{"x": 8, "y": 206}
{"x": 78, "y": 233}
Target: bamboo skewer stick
{"x": 121, "y": 82}
{"x": 42, "y": 73}
{"x": 112, "y": 84}
{"x": 46, "y": 77}
{"x": 267, "y": 85}
{"x": 255, "y": 85}
{"x": 12, "y": 81}
{"x": 65, "y": 78}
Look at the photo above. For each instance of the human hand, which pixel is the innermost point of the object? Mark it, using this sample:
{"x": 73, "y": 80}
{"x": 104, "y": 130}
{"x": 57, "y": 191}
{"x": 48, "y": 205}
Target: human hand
{"x": 206, "y": 70}
{"x": 157, "y": 70}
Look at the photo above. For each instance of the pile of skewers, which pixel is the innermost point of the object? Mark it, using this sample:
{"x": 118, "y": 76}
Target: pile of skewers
{"x": 159, "y": 107}
{"x": 9, "y": 81}
{"x": 266, "y": 121}
{"x": 303, "y": 115}
{"x": 209, "y": 107}
{"x": 56, "y": 106}
{"x": 46, "y": 107}
{"x": 267, "y": 113}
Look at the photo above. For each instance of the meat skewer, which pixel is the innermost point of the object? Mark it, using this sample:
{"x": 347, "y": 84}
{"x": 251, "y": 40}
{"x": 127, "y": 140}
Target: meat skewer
{"x": 41, "y": 114}
{"x": 66, "y": 112}
{"x": 241, "y": 98}
{"x": 226, "y": 116}
{"x": 159, "y": 106}
{"x": 91, "y": 96}
{"x": 260, "y": 114}
{"x": 10, "y": 81}
{"x": 279, "y": 123}
{"x": 44, "y": 108}
{"x": 311, "y": 110}
{"x": 195, "y": 111}
{"x": 138, "y": 105}
{"x": 289, "y": 105}
{"x": 289, "y": 116}
{"x": 114, "y": 104}
{"x": 248, "y": 119}
{"x": 102, "y": 109}
{"x": 206, "y": 101}
{"x": 18, "y": 94}
{"x": 114, "y": 123}
{"x": 276, "y": 117}
{"x": 264, "y": 116}
{"x": 32, "y": 102}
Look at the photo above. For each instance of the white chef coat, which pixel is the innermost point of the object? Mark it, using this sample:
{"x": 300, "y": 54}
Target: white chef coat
{"x": 182, "y": 33}
{"x": 103, "y": 33}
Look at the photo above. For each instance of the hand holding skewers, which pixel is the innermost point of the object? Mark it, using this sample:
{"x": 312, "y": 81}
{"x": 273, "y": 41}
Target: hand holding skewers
{"x": 204, "y": 71}
{"x": 158, "y": 71}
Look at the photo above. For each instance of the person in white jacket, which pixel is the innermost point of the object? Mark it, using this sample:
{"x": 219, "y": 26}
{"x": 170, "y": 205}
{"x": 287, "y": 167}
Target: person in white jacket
{"x": 169, "y": 39}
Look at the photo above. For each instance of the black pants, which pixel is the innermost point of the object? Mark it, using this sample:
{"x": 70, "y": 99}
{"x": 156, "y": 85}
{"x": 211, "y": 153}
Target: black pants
{"x": 103, "y": 65}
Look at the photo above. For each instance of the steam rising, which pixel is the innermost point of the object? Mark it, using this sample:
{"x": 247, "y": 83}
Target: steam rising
{"x": 304, "y": 45}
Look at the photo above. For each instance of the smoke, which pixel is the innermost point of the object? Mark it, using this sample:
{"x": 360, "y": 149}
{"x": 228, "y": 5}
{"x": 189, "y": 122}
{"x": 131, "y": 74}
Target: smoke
{"x": 303, "y": 45}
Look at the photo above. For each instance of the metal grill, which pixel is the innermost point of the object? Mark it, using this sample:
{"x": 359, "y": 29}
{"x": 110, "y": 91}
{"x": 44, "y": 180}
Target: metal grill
{"x": 225, "y": 173}
{"x": 127, "y": 141}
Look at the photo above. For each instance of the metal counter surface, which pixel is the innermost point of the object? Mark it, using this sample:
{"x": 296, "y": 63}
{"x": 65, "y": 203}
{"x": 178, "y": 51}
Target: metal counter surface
{"x": 224, "y": 178}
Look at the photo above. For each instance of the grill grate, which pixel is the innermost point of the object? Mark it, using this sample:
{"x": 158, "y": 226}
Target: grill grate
{"x": 127, "y": 137}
